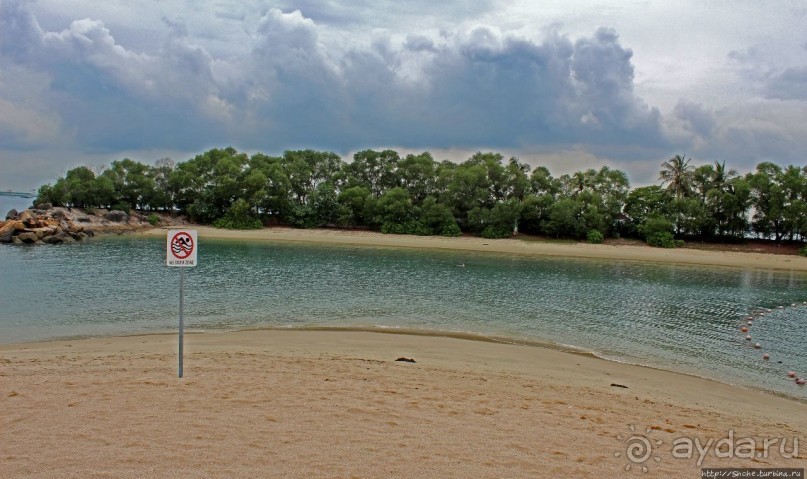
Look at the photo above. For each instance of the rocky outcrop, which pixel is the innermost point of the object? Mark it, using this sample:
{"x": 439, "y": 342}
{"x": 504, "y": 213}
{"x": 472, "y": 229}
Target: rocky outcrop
{"x": 117, "y": 216}
{"x": 49, "y": 225}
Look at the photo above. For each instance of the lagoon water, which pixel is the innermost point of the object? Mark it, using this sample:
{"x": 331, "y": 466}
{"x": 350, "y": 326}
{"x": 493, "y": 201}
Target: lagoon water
{"x": 685, "y": 319}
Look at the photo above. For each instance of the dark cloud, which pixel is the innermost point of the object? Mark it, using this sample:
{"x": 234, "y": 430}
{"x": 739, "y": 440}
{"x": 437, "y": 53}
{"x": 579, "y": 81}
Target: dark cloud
{"x": 289, "y": 87}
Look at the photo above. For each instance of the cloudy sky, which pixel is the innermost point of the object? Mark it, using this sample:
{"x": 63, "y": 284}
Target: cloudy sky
{"x": 566, "y": 84}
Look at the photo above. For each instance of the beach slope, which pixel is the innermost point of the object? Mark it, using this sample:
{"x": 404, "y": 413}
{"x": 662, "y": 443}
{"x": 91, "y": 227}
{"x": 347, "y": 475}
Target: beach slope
{"x": 286, "y": 403}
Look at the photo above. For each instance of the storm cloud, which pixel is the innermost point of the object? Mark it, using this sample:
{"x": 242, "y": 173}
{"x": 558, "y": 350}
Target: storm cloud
{"x": 294, "y": 78}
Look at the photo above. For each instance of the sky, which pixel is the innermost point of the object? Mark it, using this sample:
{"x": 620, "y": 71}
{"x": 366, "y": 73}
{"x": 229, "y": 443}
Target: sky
{"x": 560, "y": 83}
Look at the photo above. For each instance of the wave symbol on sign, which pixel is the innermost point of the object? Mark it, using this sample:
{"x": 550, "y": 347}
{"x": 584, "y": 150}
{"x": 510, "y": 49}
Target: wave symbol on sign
{"x": 182, "y": 246}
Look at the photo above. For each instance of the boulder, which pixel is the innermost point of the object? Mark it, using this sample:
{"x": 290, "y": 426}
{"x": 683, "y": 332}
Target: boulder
{"x": 44, "y": 206}
{"x": 57, "y": 213}
{"x": 83, "y": 219}
{"x": 25, "y": 215}
{"x": 28, "y": 237}
{"x": 16, "y": 240}
{"x": 52, "y": 239}
{"x": 43, "y": 232}
{"x": 8, "y": 229}
{"x": 117, "y": 216}
{"x": 12, "y": 214}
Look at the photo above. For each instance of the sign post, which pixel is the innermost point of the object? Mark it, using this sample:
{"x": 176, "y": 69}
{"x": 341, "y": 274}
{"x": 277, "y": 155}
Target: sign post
{"x": 181, "y": 249}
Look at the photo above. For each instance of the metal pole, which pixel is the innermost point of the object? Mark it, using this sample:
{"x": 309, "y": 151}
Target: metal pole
{"x": 181, "y": 315}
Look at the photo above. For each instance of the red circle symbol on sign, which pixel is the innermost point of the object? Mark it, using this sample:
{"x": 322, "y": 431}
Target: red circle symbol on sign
{"x": 182, "y": 245}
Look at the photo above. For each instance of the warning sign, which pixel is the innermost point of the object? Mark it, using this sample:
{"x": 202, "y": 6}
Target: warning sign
{"x": 181, "y": 248}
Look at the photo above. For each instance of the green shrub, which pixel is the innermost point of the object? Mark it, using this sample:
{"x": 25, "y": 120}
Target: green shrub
{"x": 496, "y": 232}
{"x": 451, "y": 229}
{"x": 244, "y": 224}
{"x": 153, "y": 219}
{"x": 120, "y": 207}
{"x": 239, "y": 217}
{"x": 661, "y": 240}
{"x": 655, "y": 224}
{"x": 594, "y": 237}
{"x": 91, "y": 211}
{"x": 679, "y": 243}
{"x": 803, "y": 251}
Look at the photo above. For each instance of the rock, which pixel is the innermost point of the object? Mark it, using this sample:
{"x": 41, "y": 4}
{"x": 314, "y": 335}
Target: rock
{"x": 38, "y": 242}
{"x": 12, "y": 214}
{"x": 117, "y": 216}
{"x": 41, "y": 232}
{"x": 51, "y": 239}
{"x": 89, "y": 233}
{"x": 28, "y": 237}
{"x": 7, "y": 231}
{"x": 44, "y": 206}
{"x": 57, "y": 213}
{"x": 25, "y": 215}
{"x": 83, "y": 219}
{"x": 16, "y": 240}
{"x": 406, "y": 360}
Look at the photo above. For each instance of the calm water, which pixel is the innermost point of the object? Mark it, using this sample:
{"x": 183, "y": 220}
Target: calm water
{"x": 680, "y": 318}
{"x": 7, "y": 203}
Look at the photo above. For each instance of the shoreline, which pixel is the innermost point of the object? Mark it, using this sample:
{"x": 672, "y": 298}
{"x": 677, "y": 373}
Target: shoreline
{"x": 514, "y": 246}
{"x": 406, "y": 332}
{"x": 305, "y": 401}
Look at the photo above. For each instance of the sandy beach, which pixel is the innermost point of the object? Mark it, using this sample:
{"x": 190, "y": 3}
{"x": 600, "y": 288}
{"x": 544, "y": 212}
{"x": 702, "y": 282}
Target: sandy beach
{"x": 285, "y": 403}
{"x": 514, "y": 246}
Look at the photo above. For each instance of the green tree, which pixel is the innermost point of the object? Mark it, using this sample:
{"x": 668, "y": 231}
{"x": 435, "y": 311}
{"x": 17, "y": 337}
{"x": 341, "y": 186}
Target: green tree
{"x": 354, "y": 206}
{"x": 377, "y": 170}
{"x": 645, "y": 202}
{"x": 677, "y": 174}
{"x": 418, "y": 175}
{"x": 132, "y": 184}
{"x": 394, "y": 210}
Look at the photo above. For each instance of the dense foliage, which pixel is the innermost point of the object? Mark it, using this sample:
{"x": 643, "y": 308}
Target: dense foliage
{"x": 486, "y": 195}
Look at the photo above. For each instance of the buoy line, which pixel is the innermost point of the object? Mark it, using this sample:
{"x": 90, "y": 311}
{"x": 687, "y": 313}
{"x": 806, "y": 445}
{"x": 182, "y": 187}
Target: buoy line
{"x": 759, "y": 314}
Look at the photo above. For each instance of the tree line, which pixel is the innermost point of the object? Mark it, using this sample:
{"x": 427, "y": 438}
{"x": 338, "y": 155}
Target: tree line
{"x": 485, "y": 195}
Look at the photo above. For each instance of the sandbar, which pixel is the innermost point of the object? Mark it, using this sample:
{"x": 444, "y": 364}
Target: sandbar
{"x": 289, "y": 403}
{"x": 514, "y": 246}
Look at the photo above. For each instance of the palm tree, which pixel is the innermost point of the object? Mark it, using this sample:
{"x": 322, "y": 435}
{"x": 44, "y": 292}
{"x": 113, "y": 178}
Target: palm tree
{"x": 677, "y": 172}
{"x": 722, "y": 176}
